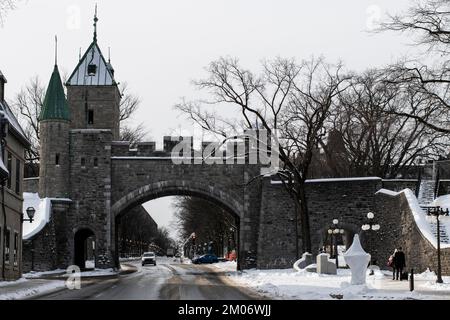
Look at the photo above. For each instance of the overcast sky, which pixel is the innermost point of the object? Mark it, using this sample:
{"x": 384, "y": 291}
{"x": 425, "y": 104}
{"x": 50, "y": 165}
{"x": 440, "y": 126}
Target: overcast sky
{"x": 158, "y": 47}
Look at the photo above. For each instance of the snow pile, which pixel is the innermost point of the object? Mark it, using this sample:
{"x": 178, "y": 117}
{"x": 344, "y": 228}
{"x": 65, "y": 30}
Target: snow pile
{"x": 41, "y": 217}
{"x": 32, "y": 290}
{"x": 226, "y": 266}
{"x": 419, "y": 215}
{"x": 290, "y": 284}
{"x": 35, "y": 274}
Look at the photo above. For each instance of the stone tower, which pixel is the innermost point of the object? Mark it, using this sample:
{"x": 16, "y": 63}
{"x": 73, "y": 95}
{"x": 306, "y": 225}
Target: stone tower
{"x": 54, "y": 123}
{"x": 92, "y": 92}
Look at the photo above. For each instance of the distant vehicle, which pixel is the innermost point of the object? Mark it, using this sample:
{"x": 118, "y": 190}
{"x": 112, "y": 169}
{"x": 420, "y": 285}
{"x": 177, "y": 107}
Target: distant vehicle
{"x": 148, "y": 258}
{"x": 206, "y": 258}
{"x": 170, "y": 252}
{"x": 178, "y": 255}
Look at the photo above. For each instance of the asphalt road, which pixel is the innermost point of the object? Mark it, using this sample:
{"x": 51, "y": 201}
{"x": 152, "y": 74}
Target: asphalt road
{"x": 168, "y": 280}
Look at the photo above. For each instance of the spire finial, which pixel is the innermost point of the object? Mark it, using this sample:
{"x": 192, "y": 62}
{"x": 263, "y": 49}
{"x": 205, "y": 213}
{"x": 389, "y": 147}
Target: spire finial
{"x": 109, "y": 54}
{"x": 56, "y": 50}
{"x": 95, "y": 24}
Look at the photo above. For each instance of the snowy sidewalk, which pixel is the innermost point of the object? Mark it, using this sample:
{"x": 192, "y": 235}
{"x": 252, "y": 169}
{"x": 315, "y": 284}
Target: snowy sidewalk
{"x": 26, "y": 288}
{"x": 290, "y": 284}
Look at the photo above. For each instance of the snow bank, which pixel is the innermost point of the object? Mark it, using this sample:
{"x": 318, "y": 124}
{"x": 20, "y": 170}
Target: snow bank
{"x": 26, "y": 292}
{"x": 290, "y": 284}
{"x": 419, "y": 215}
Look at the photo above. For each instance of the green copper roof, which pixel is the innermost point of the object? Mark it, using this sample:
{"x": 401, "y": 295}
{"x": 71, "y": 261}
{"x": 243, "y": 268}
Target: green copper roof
{"x": 55, "y": 102}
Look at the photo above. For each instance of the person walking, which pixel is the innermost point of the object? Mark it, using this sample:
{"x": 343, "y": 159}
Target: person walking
{"x": 390, "y": 263}
{"x": 399, "y": 263}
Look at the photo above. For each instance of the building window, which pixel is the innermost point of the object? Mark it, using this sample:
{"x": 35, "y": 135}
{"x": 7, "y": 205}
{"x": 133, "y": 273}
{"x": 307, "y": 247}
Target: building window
{"x": 57, "y": 159}
{"x": 95, "y": 162}
{"x": 9, "y": 169}
{"x": 16, "y": 248}
{"x": 91, "y": 117}
{"x": 83, "y": 162}
{"x": 17, "y": 176}
{"x": 7, "y": 245}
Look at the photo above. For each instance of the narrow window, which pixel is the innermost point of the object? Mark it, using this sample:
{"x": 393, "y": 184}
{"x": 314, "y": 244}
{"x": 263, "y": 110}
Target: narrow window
{"x": 7, "y": 245}
{"x": 9, "y": 169}
{"x": 16, "y": 248}
{"x": 57, "y": 159}
{"x": 83, "y": 162}
{"x": 91, "y": 117}
{"x": 17, "y": 176}
{"x": 95, "y": 162}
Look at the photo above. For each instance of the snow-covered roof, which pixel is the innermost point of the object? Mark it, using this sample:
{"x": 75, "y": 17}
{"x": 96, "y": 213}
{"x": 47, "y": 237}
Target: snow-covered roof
{"x": 104, "y": 73}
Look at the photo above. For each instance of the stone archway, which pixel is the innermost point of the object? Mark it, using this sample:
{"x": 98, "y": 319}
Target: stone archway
{"x": 176, "y": 188}
{"x": 82, "y": 251}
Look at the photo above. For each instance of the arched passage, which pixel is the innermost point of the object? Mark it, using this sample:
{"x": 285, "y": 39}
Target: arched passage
{"x": 153, "y": 191}
{"x": 84, "y": 247}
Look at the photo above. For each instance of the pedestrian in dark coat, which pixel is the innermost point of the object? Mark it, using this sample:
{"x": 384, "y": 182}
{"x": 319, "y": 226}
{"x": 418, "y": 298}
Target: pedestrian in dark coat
{"x": 399, "y": 263}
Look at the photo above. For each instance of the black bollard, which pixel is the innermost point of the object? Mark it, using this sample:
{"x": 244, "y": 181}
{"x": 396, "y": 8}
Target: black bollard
{"x": 411, "y": 281}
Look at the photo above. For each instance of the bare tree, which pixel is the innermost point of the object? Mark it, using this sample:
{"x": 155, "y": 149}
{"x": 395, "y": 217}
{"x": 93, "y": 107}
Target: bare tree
{"x": 429, "y": 23}
{"x": 379, "y": 142}
{"x": 294, "y": 99}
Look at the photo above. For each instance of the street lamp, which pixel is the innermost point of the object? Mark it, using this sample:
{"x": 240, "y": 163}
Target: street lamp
{"x": 30, "y": 213}
{"x": 438, "y": 211}
{"x": 370, "y": 226}
{"x": 334, "y": 231}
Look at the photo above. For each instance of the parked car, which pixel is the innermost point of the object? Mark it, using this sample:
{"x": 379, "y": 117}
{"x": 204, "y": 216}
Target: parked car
{"x": 206, "y": 258}
{"x": 148, "y": 258}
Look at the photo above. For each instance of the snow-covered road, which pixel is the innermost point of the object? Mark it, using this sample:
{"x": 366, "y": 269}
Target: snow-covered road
{"x": 169, "y": 280}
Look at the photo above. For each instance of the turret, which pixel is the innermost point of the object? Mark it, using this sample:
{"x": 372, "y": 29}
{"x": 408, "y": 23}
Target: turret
{"x": 92, "y": 92}
{"x": 54, "y": 126}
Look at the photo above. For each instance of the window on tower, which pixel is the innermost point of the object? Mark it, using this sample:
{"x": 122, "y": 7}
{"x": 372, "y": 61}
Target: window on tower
{"x": 83, "y": 162}
{"x": 92, "y": 70}
{"x": 91, "y": 117}
{"x": 57, "y": 159}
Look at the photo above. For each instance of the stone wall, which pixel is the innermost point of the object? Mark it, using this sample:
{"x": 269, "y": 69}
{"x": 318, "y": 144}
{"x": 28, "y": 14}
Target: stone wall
{"x": 31, "y": 185}
{"x": 348, "y": 200}
{"x": 399, "y": 229}
{"x": 103, "y": 100}
{"x": 90, "y": 181}
{"x": 400, "y": 184}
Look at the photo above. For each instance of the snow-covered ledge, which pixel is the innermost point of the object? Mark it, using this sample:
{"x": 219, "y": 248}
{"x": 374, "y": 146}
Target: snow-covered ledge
{"x": 419, "y": 215}
{"x": 42, "y": 215}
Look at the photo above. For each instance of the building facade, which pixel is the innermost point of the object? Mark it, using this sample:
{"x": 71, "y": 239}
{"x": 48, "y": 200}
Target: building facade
{"x": 13, "y": 157}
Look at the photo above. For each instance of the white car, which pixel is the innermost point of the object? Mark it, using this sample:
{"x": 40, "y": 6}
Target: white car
{"x": 148, "y": 258}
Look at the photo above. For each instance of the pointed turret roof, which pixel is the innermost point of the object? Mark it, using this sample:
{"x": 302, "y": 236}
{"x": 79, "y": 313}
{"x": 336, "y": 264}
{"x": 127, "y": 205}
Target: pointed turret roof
{"x": 101, "y": 74}
{"x": 55, "y": 103}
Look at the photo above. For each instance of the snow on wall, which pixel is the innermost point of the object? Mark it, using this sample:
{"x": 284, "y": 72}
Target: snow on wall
{"x": 41, "y": 217}
{"x": 419, "y": 215}
{"x": 332, "y": 180}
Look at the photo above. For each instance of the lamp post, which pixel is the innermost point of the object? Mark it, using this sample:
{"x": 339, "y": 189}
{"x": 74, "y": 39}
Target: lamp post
{"x": 438, "y": 211}
{"x": 334, "y": 231}
{"x": 370, "y": 226}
